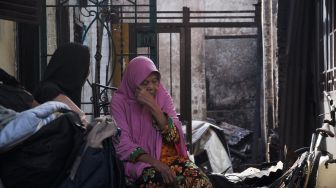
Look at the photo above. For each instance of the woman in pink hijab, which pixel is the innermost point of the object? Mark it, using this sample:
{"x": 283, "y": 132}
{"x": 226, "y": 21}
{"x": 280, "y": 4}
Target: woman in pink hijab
{"x": 152, "y": 144}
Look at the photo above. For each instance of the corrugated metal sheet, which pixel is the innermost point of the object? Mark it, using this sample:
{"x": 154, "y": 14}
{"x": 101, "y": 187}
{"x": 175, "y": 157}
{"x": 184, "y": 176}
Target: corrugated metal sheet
{"x": 251, "y": 177}
{"x": 254, "y": 173}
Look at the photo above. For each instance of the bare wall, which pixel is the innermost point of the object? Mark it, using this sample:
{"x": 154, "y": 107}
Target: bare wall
{"x": 8, "y": 46}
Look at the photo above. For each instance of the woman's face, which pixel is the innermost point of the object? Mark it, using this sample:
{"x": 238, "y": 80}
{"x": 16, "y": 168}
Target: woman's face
{"x": 151, "y": 83}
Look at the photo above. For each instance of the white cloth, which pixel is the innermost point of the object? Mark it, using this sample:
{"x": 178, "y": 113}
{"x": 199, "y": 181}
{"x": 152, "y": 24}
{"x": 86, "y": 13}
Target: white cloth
{"x": 205, "y": 138}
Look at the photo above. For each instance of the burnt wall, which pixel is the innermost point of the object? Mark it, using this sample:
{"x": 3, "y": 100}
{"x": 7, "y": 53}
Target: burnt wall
{"x": 233, "y": 77}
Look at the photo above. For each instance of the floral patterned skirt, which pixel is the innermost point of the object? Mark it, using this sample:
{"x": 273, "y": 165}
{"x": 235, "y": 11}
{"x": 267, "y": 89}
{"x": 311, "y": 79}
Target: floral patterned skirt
{"x": 188, "y": 175}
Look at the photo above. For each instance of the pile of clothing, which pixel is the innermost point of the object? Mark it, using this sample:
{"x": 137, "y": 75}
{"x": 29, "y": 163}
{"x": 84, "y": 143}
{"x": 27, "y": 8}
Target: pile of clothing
{"x": 46, "y": 145}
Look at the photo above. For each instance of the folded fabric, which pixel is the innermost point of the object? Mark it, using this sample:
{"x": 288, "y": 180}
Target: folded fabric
{"x": 6, "y": 115}
{"x": 28, "y": 122}
{"x": 98, "y": 166}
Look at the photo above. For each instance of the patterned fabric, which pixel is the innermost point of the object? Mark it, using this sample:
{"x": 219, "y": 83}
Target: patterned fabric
{"x": 136, "y": 154}
{"x": 166, "y": 127}
{"x": 170, "y": 135}
{"x": 187, "y": 175}
{"x": 168, "y": 153}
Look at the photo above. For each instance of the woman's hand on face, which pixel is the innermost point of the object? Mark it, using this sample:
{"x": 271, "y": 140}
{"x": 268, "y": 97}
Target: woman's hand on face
{"x": 167, "y": 174}
{"x": 143, "y": 96}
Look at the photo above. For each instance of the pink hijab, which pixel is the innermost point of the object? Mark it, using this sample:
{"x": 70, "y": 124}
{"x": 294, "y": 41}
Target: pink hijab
{"x": 135, "y": 120}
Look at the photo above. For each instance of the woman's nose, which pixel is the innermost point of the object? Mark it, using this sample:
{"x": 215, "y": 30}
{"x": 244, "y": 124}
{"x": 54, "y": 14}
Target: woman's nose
{"x": 149, "y": 88}
{"x": 150, "y": 85}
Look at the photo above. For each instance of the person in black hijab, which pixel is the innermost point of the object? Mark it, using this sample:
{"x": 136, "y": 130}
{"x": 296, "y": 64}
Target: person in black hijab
{"x": 65, "y": 76}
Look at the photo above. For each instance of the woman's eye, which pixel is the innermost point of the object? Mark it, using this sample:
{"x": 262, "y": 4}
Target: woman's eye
{"x": 144, "y": 83}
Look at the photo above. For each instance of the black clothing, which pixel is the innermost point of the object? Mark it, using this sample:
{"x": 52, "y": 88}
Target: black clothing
{"x": 45, "y": 158}
{"x": 65, "y": 74}
{"x": 99, "y": 168}
{"x": 7, "y": 79}
{"x": 12, "y": 94}
{"x": 47, "y": 91}
{"x": 15, "y": 98}
{"x": 92, "y": 172}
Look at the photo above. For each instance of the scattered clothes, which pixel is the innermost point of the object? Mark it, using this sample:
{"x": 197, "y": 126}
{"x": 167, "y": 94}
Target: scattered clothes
{"x": 234, "y": 134}
{"x": 6, "y": 115}
{"x": 239, "y": 141}
{"x": 12, "y": 94}
{"x": 210, "y": 148}
{"x": 20, "y": 126}
{"x": 15, "y": 98}
{"x": 98, "y": 166}
{"x": 44, "y": 159}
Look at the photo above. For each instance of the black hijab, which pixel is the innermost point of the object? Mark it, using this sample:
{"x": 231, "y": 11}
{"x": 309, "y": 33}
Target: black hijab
{"x": 68, "y": 69}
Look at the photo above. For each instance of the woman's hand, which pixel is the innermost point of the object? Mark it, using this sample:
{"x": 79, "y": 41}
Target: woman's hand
{"x": 144, "y": 97}
{"x": 66, "y": 100}
{"x": 167, "y": 174}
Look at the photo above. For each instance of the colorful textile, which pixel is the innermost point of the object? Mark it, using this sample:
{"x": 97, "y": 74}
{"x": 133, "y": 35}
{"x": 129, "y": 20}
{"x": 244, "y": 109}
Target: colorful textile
{"x": 166, "y": 127}
{"x": 187, "y": 175}
{"x": 136, "y": 154}
{"x": 135, "y": 120}
{"x": 171, "y": 134}
{"x": 168, "y": 153}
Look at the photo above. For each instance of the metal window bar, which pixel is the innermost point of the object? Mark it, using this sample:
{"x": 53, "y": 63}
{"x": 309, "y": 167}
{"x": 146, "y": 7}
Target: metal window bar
{"x": 327, "y": 18}
{"x": 102, "y": 14}
{"x": 128, "y": 15}
{"x": 106, "y": 12}
{"x": 101, "y": 101}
